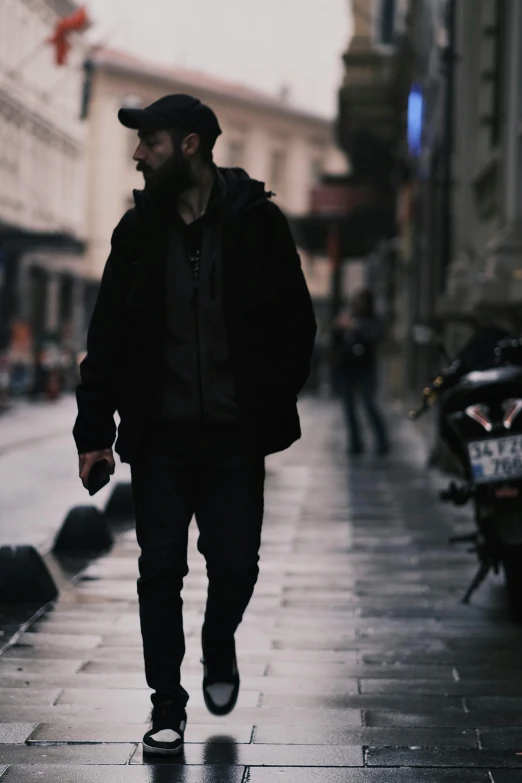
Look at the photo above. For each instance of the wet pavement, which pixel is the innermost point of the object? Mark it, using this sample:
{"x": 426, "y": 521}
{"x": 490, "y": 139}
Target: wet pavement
{"x": 358, "y": 662}
{"x": 39, "y": 471}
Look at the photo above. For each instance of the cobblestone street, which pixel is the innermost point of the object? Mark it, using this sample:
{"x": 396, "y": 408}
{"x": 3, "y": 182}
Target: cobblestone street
{"x": 358, "y": 662}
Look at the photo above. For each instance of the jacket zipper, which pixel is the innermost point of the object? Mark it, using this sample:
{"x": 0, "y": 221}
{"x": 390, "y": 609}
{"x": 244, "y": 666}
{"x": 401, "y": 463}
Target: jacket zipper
{"x": 198, "y": 352}
{"x": 213, "y": 278}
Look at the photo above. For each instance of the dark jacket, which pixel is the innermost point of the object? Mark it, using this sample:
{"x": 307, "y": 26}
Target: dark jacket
{"x": 268, "y": 315}
{"x": 196, "y": 382}
{"x": 358, "y": 345}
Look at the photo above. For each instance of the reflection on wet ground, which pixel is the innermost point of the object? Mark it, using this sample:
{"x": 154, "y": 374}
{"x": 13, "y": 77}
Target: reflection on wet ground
{"x": 358, "y": 661}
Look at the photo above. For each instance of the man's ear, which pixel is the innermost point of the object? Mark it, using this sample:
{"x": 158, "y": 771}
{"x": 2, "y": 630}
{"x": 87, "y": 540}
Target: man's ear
{"x": 190, "y": 145}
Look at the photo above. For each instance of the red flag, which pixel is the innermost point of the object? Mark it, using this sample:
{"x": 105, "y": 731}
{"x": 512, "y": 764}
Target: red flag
{"x": 76, "y": 22}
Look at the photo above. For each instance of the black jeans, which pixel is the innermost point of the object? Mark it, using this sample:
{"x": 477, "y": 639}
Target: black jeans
{"x": 217, "y": 478}
{"x": 362, "y": 384}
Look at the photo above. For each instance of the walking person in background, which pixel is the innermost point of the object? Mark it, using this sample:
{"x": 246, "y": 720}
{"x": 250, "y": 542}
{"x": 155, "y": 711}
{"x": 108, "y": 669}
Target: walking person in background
{"x": 358, "y": 332}
{"x": 201, "y": 339}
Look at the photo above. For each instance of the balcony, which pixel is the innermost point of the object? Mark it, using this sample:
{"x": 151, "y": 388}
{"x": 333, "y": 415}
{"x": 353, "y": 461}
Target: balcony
{"x": 372, "y": 105}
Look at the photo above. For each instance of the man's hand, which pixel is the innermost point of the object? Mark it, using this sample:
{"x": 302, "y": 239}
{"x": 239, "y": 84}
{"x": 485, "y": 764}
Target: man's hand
{"x": 86, "y": 461}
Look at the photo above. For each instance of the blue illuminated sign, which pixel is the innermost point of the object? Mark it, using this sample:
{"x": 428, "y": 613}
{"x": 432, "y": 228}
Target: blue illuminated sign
{"x": 415, "y": 118}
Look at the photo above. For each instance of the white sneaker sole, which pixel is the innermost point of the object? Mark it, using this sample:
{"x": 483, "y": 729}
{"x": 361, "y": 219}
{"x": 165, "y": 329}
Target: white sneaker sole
{"x": 149, "y": 749}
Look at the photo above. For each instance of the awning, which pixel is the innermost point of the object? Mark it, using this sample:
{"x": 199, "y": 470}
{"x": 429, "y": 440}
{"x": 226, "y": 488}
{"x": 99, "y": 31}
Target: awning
{"x": 16, "y": 240}
{"x": 359, "y": 232}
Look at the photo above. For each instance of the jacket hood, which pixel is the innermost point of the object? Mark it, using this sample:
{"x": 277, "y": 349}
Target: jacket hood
{"x": 237, "y": 193}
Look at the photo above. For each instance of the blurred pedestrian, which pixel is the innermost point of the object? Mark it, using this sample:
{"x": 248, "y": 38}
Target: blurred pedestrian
{"x": 50, "y": 362}
{"x": 21, "y": 357}
{"x": 201, "y": 338}
{"x": 358, "y": 333}
{"x": 5, "y": 379}
{"x": 68, "y": 361}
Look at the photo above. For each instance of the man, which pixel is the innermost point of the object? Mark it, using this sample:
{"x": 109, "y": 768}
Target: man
{"x": 359, "y": 331}
{"x": 201, "y": 339}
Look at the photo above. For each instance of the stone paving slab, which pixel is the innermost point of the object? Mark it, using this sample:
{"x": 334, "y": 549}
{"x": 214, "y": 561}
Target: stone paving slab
{"x": 86, "y": 733}
{"x": 475, "y": 719}
{"x": 250, "y": 670}
{"x": 45, "y": 667}
{"x": 156, "y": 773}
{"x": 42, "y": 640}
{"x": 98, "y": 697}
{"x": 495, "y": 703}
{"x": 67, "y": 754}
{"x": 123, "y": 712}
{"x": 294, "y": 670}
{"x": 438, "y": 657}
{"x": 367, "y": 737}
{"x": 15, "y": 733}
{"x": 486, "y": 671}
{"x": 19, "y": 697}
{"x": 299, "y": 775}
{"x": 252, "y": 686}
{"x": 358, "y": 661}
{"x": 501, "y": 739}
{"x": 365, "y": 701}
{"x": 434, "y": 687}
{"x": 269, "y": 755}
{"x": 442, "y": 757}
{"x": 66, "y": 713}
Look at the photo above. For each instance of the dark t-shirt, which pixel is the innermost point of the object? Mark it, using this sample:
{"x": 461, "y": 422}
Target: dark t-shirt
{"x": 192, "y": 237}
{"x": 192, "y": 233}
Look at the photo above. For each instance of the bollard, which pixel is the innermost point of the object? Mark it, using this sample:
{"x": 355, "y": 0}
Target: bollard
{"x": 120, "y": 504}
{"x": 24, "y": 577}
{"x": 85, "y": 529}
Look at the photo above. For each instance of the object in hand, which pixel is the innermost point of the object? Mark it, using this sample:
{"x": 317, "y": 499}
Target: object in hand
{"x": 99, "y": 476}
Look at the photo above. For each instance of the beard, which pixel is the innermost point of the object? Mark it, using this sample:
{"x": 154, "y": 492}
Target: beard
{"x": 172, "y": 178}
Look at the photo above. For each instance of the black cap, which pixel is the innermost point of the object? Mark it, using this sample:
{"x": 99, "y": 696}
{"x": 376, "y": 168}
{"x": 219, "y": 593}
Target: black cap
{"x": 182, "y": 111}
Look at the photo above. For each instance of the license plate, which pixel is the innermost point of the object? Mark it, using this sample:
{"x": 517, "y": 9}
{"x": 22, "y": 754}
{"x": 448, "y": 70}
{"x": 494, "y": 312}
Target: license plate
{"x": 496, "y": 459}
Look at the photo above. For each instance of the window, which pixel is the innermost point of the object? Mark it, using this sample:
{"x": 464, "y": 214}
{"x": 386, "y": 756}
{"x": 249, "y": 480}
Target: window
{"x": 388, "y": 22}
{"x": 316, "y": 170}
{"x": 236, "y": 153}
{"x": 498, "y": 34}
{"x": 278, "y": 169}
{"x": 386, "y": 31}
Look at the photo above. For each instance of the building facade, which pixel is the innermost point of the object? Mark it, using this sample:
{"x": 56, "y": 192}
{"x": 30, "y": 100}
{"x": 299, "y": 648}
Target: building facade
{"x": 426, "y": 188}
{"x": 484, "y": 276}
{"x": 371, "y": 130}
{"x": 287, "y": 149}
{"x": 41, "y": 185}
{"x": 432, "y": 104}
{"x": 462, "y": 242}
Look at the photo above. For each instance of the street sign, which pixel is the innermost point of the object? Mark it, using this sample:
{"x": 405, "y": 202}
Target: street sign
{"x": 338, "y": 200}
{"x": 331, "y": 200}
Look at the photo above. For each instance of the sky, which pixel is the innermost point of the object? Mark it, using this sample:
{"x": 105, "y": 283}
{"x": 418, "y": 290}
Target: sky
{"x": 267, "y": 44}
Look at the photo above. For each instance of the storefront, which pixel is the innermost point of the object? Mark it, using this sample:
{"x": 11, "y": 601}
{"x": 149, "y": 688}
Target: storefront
{"x": 45, "y": 303}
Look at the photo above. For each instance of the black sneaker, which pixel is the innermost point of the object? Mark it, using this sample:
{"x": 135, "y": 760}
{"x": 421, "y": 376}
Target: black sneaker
{"x": 165, "y": 738}
{"x": 220, "y": 680}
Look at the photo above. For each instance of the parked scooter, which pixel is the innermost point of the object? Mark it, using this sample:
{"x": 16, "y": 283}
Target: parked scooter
{"x": 480, "y": 422}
